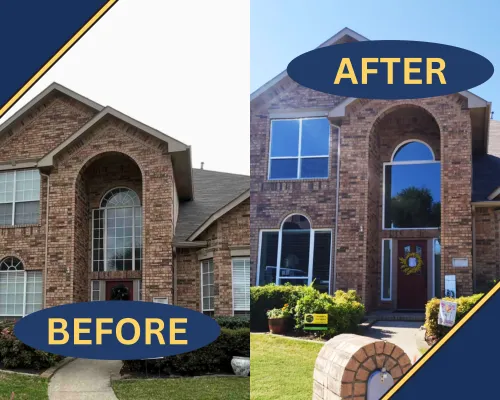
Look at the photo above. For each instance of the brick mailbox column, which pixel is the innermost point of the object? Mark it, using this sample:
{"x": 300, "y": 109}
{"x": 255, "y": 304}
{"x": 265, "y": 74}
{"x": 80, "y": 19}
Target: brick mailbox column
{"x": 346, "y": 362}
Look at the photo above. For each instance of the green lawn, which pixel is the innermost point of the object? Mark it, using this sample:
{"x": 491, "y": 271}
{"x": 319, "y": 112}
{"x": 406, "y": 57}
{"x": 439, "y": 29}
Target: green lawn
{"x": 24, "y": 387}
{"x": 183, "y": 389}
{"x": 282, "y": 368}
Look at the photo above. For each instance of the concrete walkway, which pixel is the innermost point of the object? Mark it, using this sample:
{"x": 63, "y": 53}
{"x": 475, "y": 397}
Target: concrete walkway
{"x": 84, "y": 379}
{"x": 401, "y": 333}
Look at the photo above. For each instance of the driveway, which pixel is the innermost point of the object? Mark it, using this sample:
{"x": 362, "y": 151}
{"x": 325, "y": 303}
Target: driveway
{"x": 400, "y": 333}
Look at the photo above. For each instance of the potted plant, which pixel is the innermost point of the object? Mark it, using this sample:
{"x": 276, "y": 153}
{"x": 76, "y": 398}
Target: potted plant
{"x": 277, "y": 319}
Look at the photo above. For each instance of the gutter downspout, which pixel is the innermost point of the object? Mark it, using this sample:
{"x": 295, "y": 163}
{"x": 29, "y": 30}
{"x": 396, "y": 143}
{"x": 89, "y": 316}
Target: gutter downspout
{"x": 46, "y": 241}
{"x": 174, "y": 286}
{"x": 336, "y": 213}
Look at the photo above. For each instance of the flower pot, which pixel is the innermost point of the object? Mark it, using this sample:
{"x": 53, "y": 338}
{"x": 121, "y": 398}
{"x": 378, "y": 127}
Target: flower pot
{"x": 278, "y": 325}
{"x": 241, "y": 366}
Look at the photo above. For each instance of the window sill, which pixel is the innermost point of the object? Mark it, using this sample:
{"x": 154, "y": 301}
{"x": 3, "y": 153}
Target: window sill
{"x": 298, "y": 180}
{"x": 20, "y": 226}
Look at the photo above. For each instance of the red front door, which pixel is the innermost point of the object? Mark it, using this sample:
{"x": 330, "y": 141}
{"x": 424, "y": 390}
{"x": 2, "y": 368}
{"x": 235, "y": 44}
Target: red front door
{"x": 119, "y": 290}
{"x": 412, "y": 283}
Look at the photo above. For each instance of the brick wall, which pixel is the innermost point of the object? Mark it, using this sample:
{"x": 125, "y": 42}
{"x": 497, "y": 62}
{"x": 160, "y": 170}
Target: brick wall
{"x": 151, "y": 158}
{"x": 487, "y": 247}
{"x": 230, "y": 230}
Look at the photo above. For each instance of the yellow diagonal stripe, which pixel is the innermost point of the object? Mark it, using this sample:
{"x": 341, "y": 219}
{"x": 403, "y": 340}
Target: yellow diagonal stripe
{"x": 57, "y": 56}
{"x": 439, "y": 344}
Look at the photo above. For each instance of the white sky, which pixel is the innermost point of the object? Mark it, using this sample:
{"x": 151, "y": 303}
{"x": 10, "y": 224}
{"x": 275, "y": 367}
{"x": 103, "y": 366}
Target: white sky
{"x": 182, "y": 67}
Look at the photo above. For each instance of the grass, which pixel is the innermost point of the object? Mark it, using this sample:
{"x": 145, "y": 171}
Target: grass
{"x": 183, "y": 388}
{"x": 24, "y": 387}
{"x": 282, "y": 368}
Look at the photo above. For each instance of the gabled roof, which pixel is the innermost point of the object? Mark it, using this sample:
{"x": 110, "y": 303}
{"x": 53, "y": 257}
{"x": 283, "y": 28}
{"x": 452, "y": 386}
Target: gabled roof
{"x": 215, "y": 193}
{"x": 335, "y": 38}
{"x": 54, "y": 87}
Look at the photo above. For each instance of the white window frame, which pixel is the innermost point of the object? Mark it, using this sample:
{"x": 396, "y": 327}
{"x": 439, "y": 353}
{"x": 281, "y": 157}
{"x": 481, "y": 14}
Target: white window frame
{"x": 391, "y": 246}
{"x": 25, "y": 278}
{"x": 392, "y": 162}
{"x": 14, "y": 201}
{"x": 299, "y": 157}
{"x": 203, "y": 310}
{"x": 105, "y": 229}
{"x": 311, "y": 254}
{"x": 247, "y": 259}
{"x": 434, "y": 265}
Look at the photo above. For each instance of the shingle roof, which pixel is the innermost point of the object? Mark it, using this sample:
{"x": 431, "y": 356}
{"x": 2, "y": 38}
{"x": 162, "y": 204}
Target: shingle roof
{"x": 485, "y": 176}
{"x": 212, "y": 191}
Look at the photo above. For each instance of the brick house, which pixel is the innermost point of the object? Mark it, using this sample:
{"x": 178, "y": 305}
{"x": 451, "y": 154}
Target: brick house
{"x": 342, "y": 189}
{"x": 95, "y": 206}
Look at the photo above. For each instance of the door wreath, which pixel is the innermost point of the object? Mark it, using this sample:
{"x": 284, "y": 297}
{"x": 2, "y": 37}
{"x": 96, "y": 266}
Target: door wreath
{"x": 411, "y": 264}
{"x": 120, "y": 292}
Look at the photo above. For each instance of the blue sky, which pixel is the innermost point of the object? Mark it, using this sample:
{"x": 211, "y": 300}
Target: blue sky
{"x": 284, "y": 29}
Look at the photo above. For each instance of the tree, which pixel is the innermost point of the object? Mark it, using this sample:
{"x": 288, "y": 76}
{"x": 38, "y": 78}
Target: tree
{"x": 415, "y": 207}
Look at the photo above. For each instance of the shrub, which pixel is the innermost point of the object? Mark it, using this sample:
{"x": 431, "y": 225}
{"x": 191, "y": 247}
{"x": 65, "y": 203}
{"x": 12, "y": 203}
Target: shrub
{"x": 15, "y": 354}
{"x": 265, "y": 298}
{"x": 464, "y": 304}
{"x": 233, "y": 322}
{"x": 214, "y": 358}
{"x": 344, "y": 310}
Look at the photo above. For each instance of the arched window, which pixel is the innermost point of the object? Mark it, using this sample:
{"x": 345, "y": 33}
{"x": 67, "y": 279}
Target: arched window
{"x": 295, "y": 254}
{"x": 117, "y": 232}
{"x": 412, "y": 188}
{"x": 20, "y": 290}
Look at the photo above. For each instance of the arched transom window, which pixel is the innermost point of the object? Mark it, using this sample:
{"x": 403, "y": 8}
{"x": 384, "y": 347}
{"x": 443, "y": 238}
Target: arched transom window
{"x": 412, "y": 188}
{"x": 117, "y": 232}
{"x": 20, "y": 290}
{"x": 295, "y": 254}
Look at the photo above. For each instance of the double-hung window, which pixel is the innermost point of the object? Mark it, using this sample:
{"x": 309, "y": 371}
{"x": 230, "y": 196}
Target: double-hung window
{"x": 241, "y": 286}
{"x": 20, "y": 197}
{"x": 207, "y": 287}
{"x": 299, "y": 148}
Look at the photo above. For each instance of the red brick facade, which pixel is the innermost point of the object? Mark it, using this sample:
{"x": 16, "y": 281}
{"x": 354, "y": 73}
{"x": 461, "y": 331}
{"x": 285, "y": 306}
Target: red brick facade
{"x": 112, "y": 153}
{"x": 370, "y": 131}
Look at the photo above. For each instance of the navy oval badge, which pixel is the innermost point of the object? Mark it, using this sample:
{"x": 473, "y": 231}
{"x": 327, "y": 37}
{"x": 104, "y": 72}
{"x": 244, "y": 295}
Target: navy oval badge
{"x": 117, "y": 330}
{"x": 390, "y": 69}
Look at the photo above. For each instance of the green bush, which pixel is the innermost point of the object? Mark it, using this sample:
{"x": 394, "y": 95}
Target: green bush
{"x": 464, "y": 304}
{"x": 15, "y": 354}
{"x": 233, "y": 322}
{"x": 344, "y": 310}
{"x": 214, "y": 358}
{"x": 265, "y": 298}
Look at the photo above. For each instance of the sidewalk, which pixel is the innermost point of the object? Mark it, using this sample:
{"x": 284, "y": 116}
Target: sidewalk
{"x": 84, "y": 379}
{"x": 401, "y": 333}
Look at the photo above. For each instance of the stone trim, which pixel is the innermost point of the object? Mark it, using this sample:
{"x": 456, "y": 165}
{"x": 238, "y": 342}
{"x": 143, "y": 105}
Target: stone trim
{"x": 205, "y": 254}
{"x": 240, "y": 251}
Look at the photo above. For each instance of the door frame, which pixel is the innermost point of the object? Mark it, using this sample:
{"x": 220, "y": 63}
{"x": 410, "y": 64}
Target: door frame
{"x": 431, "y": 271}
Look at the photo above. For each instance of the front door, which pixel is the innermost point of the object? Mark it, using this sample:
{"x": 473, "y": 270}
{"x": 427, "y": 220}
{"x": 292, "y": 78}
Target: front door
{"x": 119, "y": 290}
{"x": 412, "y": 274}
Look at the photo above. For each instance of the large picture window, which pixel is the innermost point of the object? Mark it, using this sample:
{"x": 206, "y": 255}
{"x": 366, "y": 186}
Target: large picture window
{"x": 299, "y": 148}
{"x": 412, "y": 188}
{"x": 20, "y": 197}
{"x": 295, "y": 254}
{"x": 20, "y": 290}
{"x": 117, "y": 232}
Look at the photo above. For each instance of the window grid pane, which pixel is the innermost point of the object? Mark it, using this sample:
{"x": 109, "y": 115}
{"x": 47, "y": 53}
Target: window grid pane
{"x": 20, "y": 193}
{"x": 34, "y": 297}
{"x": 208, "y": 287}
{"x": 299, "y": 148}
{"x": 241, "y": 284}
{"x": 96, "y": 291}
{"x": 12, "y": 293}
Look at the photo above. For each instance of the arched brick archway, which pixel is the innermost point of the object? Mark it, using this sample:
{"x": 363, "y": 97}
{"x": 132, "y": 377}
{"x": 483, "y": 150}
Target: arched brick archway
{"x": 358, "y": 257}
{"x": 346, "y": 362}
